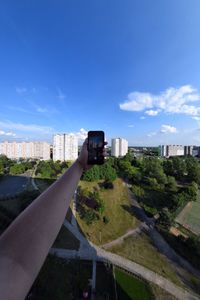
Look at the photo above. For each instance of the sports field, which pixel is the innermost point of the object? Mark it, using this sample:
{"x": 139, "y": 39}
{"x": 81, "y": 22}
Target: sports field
{"x": 189, "y": 217}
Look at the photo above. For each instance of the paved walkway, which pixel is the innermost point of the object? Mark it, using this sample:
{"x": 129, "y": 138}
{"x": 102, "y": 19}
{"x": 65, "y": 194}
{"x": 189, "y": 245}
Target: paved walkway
{"x": 104, "y": 256}
{"x": 90, "y": 251}
{"x": 119, "y": 240}
{"x": 33, "y": 178}
{"x": 161, "y": 244}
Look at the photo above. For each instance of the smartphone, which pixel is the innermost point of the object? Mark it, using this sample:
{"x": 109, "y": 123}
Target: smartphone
{"x": 95, "y": 147}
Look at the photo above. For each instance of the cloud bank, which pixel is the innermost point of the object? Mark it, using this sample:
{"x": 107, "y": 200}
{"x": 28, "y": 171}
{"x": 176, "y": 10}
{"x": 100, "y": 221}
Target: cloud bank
{"x": 173, "y": 101}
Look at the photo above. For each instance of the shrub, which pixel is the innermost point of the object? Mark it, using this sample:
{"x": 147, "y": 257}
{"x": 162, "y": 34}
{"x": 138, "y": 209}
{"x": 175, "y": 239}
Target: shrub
{"x": 106, "y": 220}
{"x": 138, "y": 191}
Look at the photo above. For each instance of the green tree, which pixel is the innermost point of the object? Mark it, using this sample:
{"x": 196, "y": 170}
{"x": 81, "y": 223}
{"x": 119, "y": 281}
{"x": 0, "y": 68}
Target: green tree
{"x": 193, "y": 170}
{"x": 17, "y": 169}
{"x": 171, "y": 184}
{"x": 1, "y": 168}
{"x": 90, "y": 216}
{"x": 92, "y": 174}
{"x": 168, "y": 167}
{"x": 166, "y": 217}
{"x": 192, "y": 191}
{"x": 127, "y": 170}
{"x": 138, "y": 191}
{"x": 179, "y": 167}
{"x": 152, "y": 168}
{"x": 153, "y": 183}
{"x": 107, "y": 172}
{"x": 180, "y": 199}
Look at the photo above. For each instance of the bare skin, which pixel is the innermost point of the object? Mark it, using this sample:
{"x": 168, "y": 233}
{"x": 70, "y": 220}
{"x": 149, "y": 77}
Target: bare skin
{"x": 26, "y": 243}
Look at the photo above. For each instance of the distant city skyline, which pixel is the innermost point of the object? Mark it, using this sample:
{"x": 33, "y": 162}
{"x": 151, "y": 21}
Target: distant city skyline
{"x": 136, "y": 76}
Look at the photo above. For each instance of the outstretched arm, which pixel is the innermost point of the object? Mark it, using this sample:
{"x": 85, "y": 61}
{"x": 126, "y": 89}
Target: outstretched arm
{"x": 26, "y": 243}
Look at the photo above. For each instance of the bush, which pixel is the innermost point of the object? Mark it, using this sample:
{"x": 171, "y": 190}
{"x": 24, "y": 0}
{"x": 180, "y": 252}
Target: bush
{"x": 108, "y": 184}
{"x": 106, "y": 220}
{"x": 138, "y": 191}
{"x": 90, "y": 217}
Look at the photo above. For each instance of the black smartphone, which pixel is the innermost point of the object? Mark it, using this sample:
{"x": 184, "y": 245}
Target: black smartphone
{"x": 95, "y": 147}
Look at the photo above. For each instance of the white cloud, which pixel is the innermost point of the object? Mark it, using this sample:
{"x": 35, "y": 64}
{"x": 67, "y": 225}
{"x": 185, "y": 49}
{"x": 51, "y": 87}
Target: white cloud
{"x": 7, "y": 133}
{"x": 81, "y": 134}
{"x": 21, "y": 90}
{"x": 196, "y": 118}
{"x": 137, "y": 101}
{"x": 142, "y": 118}
{"x": 168, "y": 129}
{"x": 165, "y": 129}
{"x": 172, "y": 100}
{"x": 131, "y": 126}
{"x": 27, "y": 127}
{"x": 152, "y": 112}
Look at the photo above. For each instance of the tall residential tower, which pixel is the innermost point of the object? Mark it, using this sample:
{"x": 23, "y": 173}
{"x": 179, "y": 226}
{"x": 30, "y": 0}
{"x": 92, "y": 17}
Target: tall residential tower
{"x": 65, "y": 147}
{"x": 119, "y": 147}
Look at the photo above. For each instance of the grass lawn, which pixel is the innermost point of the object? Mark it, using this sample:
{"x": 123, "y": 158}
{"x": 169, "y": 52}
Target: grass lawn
{"x": 105, "y": 284}
{"x": 66, "y": 240}
{"x": 140, "y": 250}
{"x": 43, "y": 184}
{"x": 120, "y": 219}
{"x": 190, "y": 217}
{"x": 60, "y": 279}
{"x": 12, "y": 205}
{"x": 130, "y": 287}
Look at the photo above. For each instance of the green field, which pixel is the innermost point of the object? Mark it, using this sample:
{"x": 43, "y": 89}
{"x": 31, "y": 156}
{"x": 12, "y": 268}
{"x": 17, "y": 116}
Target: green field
{"x": 117, "y": 209}
{"x": 129, "y": 287}
{"x": 189, "y": 217}
{"x": 61, "y": 279}
{"x": 141, "y": 250}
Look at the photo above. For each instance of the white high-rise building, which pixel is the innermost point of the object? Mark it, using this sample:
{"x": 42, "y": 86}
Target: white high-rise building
{"x": 175, "y": 150}
{"x": 33, "y": 150}
{"x": 65, "y": 147}
{"x": 119, "y": 147}
{"x": 58, "y": 147}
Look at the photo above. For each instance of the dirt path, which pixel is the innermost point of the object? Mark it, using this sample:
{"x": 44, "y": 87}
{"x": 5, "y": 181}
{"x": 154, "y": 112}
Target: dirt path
{"x": 119, "y": 240}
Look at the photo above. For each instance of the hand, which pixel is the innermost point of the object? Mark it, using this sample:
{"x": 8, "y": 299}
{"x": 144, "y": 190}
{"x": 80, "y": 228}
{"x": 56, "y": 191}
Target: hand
{"x": 83, "y": 156}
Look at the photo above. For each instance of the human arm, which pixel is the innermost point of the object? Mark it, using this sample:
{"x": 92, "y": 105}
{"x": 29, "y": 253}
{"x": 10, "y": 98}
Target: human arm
{"x": 26, "y": 243}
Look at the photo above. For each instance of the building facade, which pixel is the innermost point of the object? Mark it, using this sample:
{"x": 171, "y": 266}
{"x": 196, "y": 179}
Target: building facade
{"x": 119, "y": 147}
{"x": 178, "y": 150}
{"x": 65, "y": 147}
{"x": 25, "y": 150}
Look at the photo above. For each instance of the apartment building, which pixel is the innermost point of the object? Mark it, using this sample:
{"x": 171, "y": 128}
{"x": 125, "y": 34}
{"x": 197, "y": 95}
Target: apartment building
{"x": 65, "y": 147}
{"x": 119, "y": 147}
{"x": 33, "y": 150}
{"x": 178, "y": 150}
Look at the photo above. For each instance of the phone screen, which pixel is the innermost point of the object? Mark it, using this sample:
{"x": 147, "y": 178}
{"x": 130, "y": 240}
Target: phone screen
{"x": 95, "y": 147}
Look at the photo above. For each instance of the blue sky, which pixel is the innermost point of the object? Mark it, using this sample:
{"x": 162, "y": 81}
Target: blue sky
{"x": 130, "y": 68}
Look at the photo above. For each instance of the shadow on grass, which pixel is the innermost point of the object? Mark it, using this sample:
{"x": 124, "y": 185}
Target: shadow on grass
{"x": 135, "y": 211}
